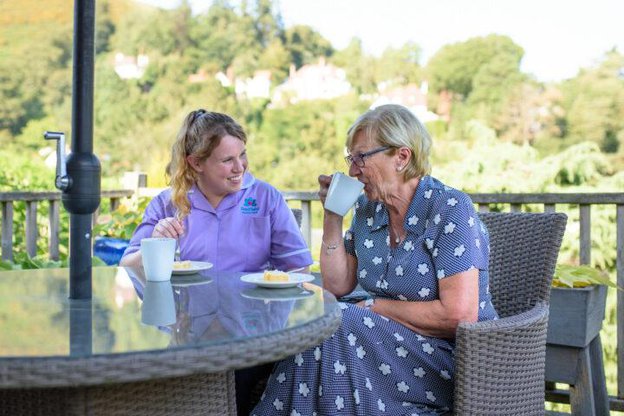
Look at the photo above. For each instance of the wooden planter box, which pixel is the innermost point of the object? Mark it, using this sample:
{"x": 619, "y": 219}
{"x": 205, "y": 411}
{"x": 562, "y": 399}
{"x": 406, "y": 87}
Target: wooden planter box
{"x": 576, "y": 315}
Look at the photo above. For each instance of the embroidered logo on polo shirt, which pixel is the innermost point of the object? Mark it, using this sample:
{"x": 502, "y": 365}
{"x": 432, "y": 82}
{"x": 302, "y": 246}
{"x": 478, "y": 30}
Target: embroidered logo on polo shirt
{"x": 250, "y": 206}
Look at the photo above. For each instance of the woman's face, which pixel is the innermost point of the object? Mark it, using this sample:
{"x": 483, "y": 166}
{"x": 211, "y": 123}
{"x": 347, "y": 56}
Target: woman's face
{"x": 222, "y": 172}
{"x": 378, "y": 168}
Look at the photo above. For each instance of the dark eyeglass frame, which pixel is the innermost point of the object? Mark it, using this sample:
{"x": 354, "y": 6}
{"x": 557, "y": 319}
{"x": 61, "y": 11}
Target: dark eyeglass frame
{"x": 358, "y": 160}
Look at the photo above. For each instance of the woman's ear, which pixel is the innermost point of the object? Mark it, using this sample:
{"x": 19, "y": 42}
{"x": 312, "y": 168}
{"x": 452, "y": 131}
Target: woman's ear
{"x": 404, "y": 155}
{"x": 194, "y": 162}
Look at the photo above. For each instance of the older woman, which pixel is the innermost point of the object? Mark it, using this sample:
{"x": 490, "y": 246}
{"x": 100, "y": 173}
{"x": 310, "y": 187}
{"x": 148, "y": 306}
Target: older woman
{"x": 216, "y": 209}
{"x": 419, "y": 249}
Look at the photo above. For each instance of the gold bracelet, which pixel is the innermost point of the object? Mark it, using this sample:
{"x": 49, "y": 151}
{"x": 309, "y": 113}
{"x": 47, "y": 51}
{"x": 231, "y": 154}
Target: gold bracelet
{"x": 329, "y": 248}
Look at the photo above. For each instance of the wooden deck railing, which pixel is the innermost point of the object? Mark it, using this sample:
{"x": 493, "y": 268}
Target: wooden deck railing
{"x": 548, "y": 202}
{"x": 32, "y": 201}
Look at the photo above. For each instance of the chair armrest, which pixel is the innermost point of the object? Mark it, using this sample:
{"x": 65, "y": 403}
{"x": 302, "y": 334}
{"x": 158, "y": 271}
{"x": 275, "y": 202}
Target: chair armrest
{"x": 499, "y": 365}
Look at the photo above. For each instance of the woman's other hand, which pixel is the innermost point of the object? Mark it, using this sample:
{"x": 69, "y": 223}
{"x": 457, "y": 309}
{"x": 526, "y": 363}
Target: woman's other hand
{"x": 168, "y": 227}
{"x": 324, "y": 181}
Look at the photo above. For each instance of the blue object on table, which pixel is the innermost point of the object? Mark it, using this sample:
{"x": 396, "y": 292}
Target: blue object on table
{"x": 110, "y": 249}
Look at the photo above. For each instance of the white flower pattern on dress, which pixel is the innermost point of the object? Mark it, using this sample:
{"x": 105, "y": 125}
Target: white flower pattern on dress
{"x": 278, "y": 404}
{"x": 339, "y": 402}
{"x": 303, "y": 389}
{"x": 401, "y": 352}
{"x": 402, "y": 387}
{"x": 359, "y": 351}
{"x": 370, "y": 347}
{"x": 299, "y": 359}
{"x": 339, "y": 368}
{"x": 385, "y": 369}
{"x": 449, "y": 228}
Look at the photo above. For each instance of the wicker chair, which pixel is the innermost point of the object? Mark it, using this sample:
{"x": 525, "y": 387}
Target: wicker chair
{"x": 499, "y": 365}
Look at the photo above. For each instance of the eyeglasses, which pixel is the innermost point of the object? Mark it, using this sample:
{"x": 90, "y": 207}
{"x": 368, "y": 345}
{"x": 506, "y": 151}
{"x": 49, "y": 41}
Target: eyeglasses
{"x": 359, "y": 159}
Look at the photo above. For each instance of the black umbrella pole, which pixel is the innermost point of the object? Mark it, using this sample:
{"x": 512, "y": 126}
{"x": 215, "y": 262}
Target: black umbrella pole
{"x": 80, "y": 256}
{"x": 82, "y": 197}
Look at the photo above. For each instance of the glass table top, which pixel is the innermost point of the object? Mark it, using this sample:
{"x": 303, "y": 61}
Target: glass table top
{"x": 128, "y": 314}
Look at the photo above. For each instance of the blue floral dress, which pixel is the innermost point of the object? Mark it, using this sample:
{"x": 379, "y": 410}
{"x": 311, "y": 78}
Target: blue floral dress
{"x": 372, "y": 364}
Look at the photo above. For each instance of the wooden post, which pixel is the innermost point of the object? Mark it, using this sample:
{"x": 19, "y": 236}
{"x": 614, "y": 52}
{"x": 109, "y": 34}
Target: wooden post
{"x": 306, "y": 222}
{"x": 31, "y": 228}
{"x": 53, "y": 217}
{"x": 585, "y": 233}
{"x": 7, "y": 231}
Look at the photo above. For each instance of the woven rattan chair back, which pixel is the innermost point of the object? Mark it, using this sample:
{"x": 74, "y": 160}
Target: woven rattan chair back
{"x": 523, "y": 253}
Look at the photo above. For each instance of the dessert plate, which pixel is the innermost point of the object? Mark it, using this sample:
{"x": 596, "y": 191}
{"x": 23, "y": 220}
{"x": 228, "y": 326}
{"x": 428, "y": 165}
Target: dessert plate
{"x": 294, "y": 280}
{"x": 195, "y": 266}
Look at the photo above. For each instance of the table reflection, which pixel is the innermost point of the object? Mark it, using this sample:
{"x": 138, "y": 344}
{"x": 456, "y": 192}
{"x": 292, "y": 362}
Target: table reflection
{"x": 38, "y": 320}
{"x": 212, "y": 306}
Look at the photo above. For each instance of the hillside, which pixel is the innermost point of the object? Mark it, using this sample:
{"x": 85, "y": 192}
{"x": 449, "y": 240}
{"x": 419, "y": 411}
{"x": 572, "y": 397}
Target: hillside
{"x": 25, "y": 21}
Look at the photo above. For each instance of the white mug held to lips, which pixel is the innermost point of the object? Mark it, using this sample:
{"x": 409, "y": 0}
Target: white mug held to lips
{"x": 342, "y": 193}
{"x": 158, "y": 256}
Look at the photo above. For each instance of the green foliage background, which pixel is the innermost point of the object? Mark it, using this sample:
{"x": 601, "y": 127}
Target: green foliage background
{"x": 501, "y": 130}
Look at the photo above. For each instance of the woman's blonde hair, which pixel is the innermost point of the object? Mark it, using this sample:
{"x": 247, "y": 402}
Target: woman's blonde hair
{"x": 395, "y": 126}
{"x": 200, "y": 134}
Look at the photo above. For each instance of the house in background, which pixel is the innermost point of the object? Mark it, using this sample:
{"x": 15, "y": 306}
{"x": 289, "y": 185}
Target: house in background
{"x": 130, "y": 67}
{"x": 411, "y": 96}
{"x": 319, "y": 81}
{"x": 258, "y": 86}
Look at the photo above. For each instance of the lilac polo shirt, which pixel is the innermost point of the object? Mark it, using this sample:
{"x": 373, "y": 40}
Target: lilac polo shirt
{"x": 251, "y": 230}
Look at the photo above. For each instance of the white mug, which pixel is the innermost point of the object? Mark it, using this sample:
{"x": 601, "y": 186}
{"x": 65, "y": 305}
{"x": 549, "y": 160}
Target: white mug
{"x": 342, "y": 193}
{"x": 158, "y": 255}
{"x": 158, "y": 304}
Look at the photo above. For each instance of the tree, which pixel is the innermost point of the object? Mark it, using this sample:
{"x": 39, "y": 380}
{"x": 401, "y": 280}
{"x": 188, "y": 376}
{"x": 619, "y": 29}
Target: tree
{"x": 400, "y": 64}
{"x": 594, "y": 103}
{"x": 455, "y": 66}
{"x": 306, "y": 45}
{"x": 359, "y": 67}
